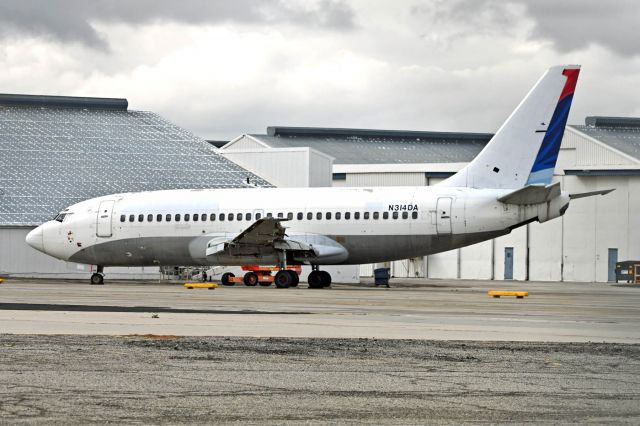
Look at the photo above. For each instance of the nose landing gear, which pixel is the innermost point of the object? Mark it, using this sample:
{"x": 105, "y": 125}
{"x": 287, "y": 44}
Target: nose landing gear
{"x": 98, "y": 277}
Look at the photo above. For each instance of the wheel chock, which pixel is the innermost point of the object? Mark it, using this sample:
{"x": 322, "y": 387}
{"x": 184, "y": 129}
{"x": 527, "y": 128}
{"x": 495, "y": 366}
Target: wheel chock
{"x": 209, "y": 286}
{"x": 1, "y": 280}
{"x": 516, "y": 294}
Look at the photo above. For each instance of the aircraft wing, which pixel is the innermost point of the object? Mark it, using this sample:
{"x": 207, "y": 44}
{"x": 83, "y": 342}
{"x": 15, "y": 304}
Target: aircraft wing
{"x": 532, "y": 194}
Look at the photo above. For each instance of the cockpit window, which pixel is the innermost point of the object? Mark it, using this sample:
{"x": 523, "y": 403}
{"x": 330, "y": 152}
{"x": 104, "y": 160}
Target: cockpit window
{"x": 60, "y": 217}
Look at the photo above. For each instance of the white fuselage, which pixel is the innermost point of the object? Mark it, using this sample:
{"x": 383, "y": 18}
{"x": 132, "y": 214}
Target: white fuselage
{"x": 368, "y": 224}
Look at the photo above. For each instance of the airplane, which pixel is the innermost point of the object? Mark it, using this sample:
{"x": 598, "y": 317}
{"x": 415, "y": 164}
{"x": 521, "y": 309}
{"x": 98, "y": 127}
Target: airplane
{"x": 506, "y": 186}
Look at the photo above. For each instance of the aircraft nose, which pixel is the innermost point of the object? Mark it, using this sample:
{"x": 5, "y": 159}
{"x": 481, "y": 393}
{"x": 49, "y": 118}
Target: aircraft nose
{"x": 35, "y": 239}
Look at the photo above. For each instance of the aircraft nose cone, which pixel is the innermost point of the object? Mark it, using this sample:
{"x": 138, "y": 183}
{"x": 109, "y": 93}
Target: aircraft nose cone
{"x": 35, "y": 239}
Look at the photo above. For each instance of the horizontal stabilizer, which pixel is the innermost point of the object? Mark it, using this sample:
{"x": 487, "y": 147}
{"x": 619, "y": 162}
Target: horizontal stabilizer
{"x": 590, "y": 194}
{"x": 532, "y": 194}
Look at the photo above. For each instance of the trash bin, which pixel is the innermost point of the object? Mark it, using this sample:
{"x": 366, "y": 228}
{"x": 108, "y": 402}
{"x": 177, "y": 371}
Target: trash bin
{"x": 381, "y": 276}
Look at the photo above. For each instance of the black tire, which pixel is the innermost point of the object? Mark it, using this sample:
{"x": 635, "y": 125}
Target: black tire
{"x": 283, "y": 279}
{"x": 97, "y": 279}
{"x": 264, "y": 283}
{"x": 295, "y": 279}
{"x": 315, "y": 279}
{"x": 225, "y": 278}
{"x": 251, "y": 279}
{"x": 326, "y": 278}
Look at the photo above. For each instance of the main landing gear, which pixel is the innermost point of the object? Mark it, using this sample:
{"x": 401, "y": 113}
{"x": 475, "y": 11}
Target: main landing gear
{"x": 98, "y": 277}
{"x": 318, "y": 279}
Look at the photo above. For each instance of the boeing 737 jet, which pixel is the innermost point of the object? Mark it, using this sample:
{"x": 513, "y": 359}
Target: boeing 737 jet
{"x": 506, "y": 186}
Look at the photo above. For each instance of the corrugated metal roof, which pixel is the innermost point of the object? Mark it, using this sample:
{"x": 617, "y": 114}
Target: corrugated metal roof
{"x": 52, "y": 157}
{"x": 621, "y": 133}
{"x": 366, "y": 146}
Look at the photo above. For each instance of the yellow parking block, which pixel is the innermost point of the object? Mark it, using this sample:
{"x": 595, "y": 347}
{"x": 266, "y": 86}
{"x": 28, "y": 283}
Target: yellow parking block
{"x": 499, "y": 293}
{"x": 209, "y": 286}
{"x": 1, "y": 280}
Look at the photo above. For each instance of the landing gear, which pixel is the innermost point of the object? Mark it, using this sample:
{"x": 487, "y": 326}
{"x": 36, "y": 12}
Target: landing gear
{"x": 98, "y": 277}
{"x": 295, "y": 279}
{"x": 319, "y": 279}
{"x": 251, "y": 279}
{"x": 283, "y": 279}
{"x": 225, "y": 278}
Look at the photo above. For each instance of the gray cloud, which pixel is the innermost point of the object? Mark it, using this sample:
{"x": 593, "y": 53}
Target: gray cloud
{"x": 72, "y": 20}
{"x": 576, "y": 24}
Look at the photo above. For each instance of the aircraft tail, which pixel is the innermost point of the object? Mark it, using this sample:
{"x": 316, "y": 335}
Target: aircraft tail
{"x": 525, "y": 148}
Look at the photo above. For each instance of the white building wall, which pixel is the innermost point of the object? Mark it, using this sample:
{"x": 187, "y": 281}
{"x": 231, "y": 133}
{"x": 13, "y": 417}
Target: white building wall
{"x": 476, "y": 261}
{"x": 17, "y": 259}
{"x": 383, "y": 179}
{"x": 320, "y": 169}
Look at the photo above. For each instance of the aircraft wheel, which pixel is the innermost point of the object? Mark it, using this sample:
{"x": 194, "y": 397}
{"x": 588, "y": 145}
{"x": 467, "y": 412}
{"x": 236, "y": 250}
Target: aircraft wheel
{"x": 315, "y": 280}
{"x": 225, "y": 278}
{"x": 295, "y": 279}
{"x": 283, "y": 279}
{"x": 251, "y": 279}
{"x": 264, "y": 283}
{"x": 326, "y": 278}
{"x": 97, "y": 279}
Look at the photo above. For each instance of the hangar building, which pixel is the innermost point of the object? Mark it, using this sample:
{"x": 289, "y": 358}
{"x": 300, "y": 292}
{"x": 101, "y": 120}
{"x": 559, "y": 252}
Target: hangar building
{"x": 56, "y": 151}
{"x": 581, "y": 246}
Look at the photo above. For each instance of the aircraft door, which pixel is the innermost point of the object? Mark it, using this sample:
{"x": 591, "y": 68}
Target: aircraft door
{"x": 103, "y": 226}
{"x": 443, "y": 218}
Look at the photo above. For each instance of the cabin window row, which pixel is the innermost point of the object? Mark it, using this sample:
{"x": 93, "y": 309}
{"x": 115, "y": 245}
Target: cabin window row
{"x": 197, "y": 217}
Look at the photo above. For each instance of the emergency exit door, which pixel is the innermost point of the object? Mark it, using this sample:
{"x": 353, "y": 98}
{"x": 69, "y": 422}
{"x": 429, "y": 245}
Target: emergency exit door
{"x": 508, "y": 263}
{"x": 103, "y": 227}
{"x": 443, "y": 212}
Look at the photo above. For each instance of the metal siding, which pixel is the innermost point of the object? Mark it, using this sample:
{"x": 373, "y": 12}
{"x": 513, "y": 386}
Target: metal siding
{"x": 475, "y": 261}
{"x": 589, "y": 153}
{"x": 385, "y": 179}
{"x": 284, "y": 169}
{"x": 320, "y": 170}
{"x": 517, "y": 240}
{"x": 244, "y": 142}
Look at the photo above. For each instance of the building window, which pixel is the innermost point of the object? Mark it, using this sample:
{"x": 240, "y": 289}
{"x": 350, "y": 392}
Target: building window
{"x": 123, "y": 217}
{"x": 158, "y": 218}
{"x": 356, "y": 216}
{"x": 328, "y": 216}
{"x": 247, "y": 216}
{"x": 212, "y": 217}
{"x": 195, "y": 217}
{"x": 338, "y": 215}
{"x": 177, "y": 217}
{"x": 309, "y": 216}
{"x": 168, "y": 217}
{"x": 140, "y": 218}
{"x": 149, "y": 218}
{"x": 239, "y": 217}
{"x": 385, "y": 215}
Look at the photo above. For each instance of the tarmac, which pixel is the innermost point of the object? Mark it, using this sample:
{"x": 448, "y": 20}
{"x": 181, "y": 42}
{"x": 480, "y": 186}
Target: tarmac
{"x": 420, "y": 352}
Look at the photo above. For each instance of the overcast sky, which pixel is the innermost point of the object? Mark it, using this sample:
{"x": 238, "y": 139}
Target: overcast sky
{"x": 223, "y": 68}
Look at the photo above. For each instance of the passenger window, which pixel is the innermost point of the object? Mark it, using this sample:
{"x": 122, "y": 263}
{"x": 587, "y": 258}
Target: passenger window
{"x": 328, "y": 216}
{"x": 168, "y": 217}
{"x": 385, "y": 215}
{"x": 300, "y": 216}
{"x": 405, "y": 215}
{"x": 239, "y": 216}
{"x": 203, "y": 217}
{"x": 186, "y": 217}
{"x": 258, "y": 216}
{"x": 158, "y": 218}
{"x": 290, "y": 215}
{"x": 149, "y": 218}
{"x": 247, "y": 216}
{"x": 230, "y": 217}
{"x": 414, "y": 215}
{"x": 395, "y": 215}
{"x": 338, "y": 215}
{"x": 269, "y": 214}
{"x": 123, "y": 217}
{"x": 221, "y": 217}
{"x": 356, "y": 216}
{"x": 177, "y": 217}
{"x": 280, "y": 215}
{"x": 195, "y": 217}
{"x": 319, "y": 216}
{"x": 212, "y": 217}
{"x": 347, "y": 215}
{"x": 309, "y": 216}
{"x": 366, "y": 215}
{"x": 140, "y": 218}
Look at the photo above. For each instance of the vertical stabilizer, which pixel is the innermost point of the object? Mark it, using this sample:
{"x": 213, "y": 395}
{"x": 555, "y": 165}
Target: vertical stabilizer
{"x": 525, "y": 148}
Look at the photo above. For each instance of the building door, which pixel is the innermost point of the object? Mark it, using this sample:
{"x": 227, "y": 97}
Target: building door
{"x": 508, "y": 263}
{"x": 443, "y": 219}
{"x": 103, "y": 227}
{"x": 613, "y": 259}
